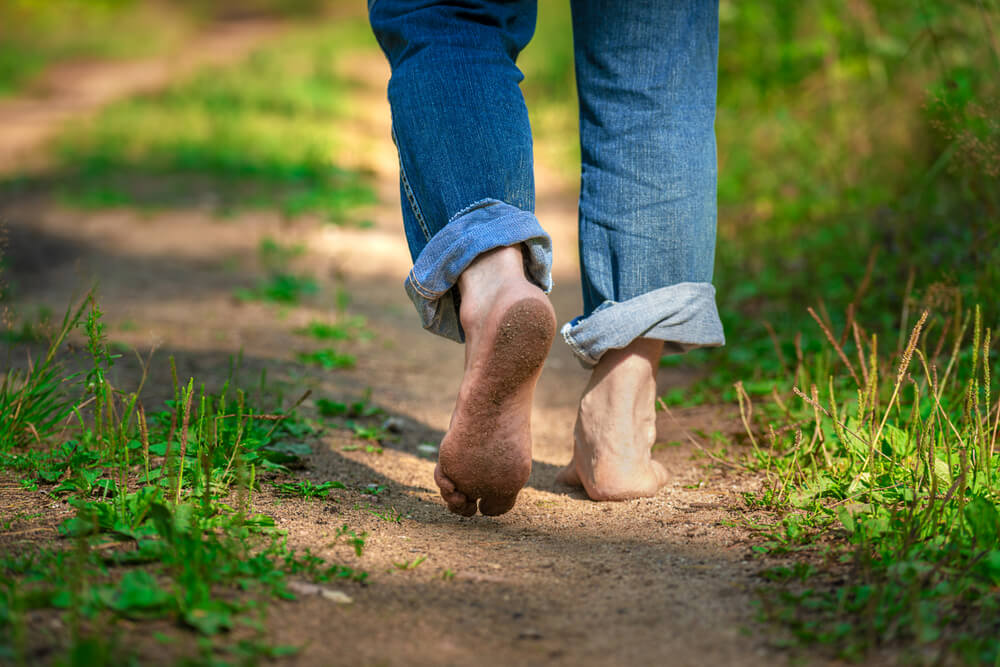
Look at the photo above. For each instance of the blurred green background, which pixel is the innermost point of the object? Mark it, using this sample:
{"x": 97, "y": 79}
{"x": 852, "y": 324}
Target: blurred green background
{"x": 859, "y": 143}
{"x": 859, "y": 156}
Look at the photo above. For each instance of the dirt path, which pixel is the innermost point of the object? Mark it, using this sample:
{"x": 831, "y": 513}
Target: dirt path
{"x": 559, "y": 580}
{"x": 75, "y": 90}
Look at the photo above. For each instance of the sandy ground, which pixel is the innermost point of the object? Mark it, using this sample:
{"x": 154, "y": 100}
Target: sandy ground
{"x": 559, "y": 580}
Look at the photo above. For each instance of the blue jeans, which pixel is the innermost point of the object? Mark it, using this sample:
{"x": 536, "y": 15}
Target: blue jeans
{"x": 646, "y": 76}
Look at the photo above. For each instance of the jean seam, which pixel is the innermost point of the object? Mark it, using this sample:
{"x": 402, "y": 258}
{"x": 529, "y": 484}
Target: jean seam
{"x": 420, "y": 289}
{"x": 482, "y": 203}
{"x": 410, "y": 197}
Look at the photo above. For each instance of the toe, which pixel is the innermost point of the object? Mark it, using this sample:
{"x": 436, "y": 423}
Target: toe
{"x": 457, "y": 501}
{"x": 462, "y": 508}
{"x": 495, "y": 506}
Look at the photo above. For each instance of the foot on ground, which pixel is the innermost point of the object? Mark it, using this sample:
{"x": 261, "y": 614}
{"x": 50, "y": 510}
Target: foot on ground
{"x": 616, "y": 427}
{"x": 509, "y": 324}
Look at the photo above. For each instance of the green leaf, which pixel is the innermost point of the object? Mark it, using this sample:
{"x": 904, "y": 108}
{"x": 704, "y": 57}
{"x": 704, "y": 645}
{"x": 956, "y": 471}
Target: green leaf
{"x": 983, "y": 520}
{"x": 846, "y": 518}
{"x": 898, "y": 440}
{"x": 76, "y": 526}
{"x": 107, "y": 485}
{"x": 819, "y": 487}
{"x": 329, "y": 408}
{"x": 990, "y": 566}
{"x": 942, "y": 472}
{"x": 51, "y": 475}
{"x": 209, "y": 618}
{"x": 138, "y": 593}
{"x": 163, "y": 520}
{"x": 287, "y": 451}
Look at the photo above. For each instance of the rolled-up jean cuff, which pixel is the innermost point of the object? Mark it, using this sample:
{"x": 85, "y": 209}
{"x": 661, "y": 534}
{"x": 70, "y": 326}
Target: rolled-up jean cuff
{"x": 480, "y": 227}
{"x": 684, "y": 316}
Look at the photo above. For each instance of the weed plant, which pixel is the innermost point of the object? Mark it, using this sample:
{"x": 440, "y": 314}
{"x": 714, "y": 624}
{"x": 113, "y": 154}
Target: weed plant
{"x": 306, "y": 489}
{"x": 163, "y": 524}
{"x": 281, "y": 288}
{"x": 328, "y": 358}
{"x": 362, "y": 408}
{"x": 34, "y": 402}
{"x": 345, "y": 329}
{"x": 282, "y": 285}
{"x": 886, "y": 465}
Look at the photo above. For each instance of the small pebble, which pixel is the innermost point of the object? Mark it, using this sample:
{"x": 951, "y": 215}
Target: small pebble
{"x": 393, "y": 424}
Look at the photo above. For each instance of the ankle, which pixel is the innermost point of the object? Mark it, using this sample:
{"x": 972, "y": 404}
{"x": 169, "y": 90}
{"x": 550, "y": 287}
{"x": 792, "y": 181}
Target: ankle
{"x": 490, "y": 268}
{"x": 640, "y": 356}
{"x": 488, "y": 276}
{"x": 627, "y": 372}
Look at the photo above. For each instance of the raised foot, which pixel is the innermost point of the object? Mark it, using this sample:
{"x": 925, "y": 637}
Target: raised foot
{"x": 485, "y": 457}
{"x": 616, "y": 427}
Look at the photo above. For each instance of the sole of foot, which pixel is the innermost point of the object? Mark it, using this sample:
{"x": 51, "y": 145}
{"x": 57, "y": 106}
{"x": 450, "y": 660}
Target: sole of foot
{"x": 485, "y": 457}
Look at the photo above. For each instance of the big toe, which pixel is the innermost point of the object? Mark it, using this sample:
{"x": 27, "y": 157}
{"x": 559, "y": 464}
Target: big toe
{"x": 497, "y": 505}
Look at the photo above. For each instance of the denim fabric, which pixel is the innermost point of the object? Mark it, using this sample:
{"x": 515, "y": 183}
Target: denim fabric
{"x": 484, "y": 226}
{"x": 458, "y": 116}
{"x": 682, "y": 315}
{"x": 646, "y": 76}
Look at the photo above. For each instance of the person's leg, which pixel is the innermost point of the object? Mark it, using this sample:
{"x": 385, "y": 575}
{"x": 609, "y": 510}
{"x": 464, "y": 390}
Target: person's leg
{"x": 481, "y": 259}
{"x": 646, "y": 75}
{"x": 616, "y": 426}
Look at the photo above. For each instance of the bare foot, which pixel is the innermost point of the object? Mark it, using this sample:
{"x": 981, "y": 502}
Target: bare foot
{"x": 616, "y": 427}
{"x": 509, "y": 324}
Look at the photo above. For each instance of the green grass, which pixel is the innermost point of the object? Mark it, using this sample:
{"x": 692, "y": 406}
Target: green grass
{"x": 35, "y": 35}
{"x": 33, "y": 402}
{"x": 360, "y": 408}
{"x": 860, "y": 122}
{"x": 391, "y": 515}
{"x": 282, "y": 285}
{"x": 276, "y": 256}
{"x": 549, "y": 88}
{"x": 882, "y": 471}
{"x": 345, "y": 329}
{"x": 163, "y": 527}
{"x": 410, "y": 564}
{"x": 280, "y": 288}
{"x": 327, "y": 358}
{"x": 27, "y": 330}
{"x": 259, "y": 134}
{"x": 306, "y": 489}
